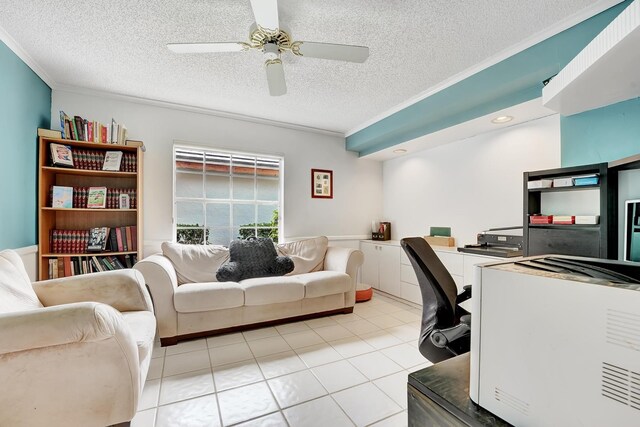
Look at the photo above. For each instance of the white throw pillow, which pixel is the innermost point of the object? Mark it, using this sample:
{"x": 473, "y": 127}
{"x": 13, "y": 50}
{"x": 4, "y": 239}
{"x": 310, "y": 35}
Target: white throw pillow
{"x": 307, "y": 255}
{"x": 195, "y": 263}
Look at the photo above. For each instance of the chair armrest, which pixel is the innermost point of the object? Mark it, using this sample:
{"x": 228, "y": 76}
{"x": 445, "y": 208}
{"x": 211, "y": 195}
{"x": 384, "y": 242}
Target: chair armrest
{"x": 124, "y": 290}
{"x": 160, "y": 276}
{"x": 441, "y": 338}
{"x": 74, "y": 364}
{"x": 58, "y": 325}
{"x": 464, "y": 295}
{"x": 344, "y": 260}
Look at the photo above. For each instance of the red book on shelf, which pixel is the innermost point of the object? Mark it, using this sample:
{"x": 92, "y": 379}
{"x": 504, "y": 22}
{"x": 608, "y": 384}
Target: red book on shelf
{"x": 541, "y": 219}
{"x": 67, "y": 266}
{"x": 90, "y": 131}
{"x": 119, "y": 239}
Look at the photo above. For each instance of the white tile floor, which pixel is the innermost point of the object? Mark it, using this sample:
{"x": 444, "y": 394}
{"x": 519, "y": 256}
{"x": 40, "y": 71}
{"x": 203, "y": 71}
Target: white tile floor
{"x": 341, "y": 370}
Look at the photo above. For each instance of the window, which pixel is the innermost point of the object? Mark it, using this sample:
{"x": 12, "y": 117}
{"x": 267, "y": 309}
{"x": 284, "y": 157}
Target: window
{"x": 222, "y": 196}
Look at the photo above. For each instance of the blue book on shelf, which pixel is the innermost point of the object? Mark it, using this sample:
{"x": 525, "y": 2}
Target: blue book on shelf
{"x": 586, "y": 180}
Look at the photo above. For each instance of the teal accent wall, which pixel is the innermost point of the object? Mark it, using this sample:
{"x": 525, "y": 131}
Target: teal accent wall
{"x": 512, "y": 81}
{"x": 25, "y": 105}
{"x": 601, "y": 135}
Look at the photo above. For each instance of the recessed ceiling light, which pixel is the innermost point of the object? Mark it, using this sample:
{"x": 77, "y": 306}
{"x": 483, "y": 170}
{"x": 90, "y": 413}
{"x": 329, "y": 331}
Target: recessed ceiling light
{"x": 502, "y": 119}
{"x": 399, "y": 151}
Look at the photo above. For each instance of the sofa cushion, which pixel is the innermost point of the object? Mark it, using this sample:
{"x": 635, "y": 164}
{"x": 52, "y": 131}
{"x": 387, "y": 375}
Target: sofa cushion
{"x": 16, "y": 292}
{"x": 195, "y": 297}
{"x": 143, "y": 328}
{"x": 321, "y": 283}
{"x": 195, "y": 263}
{"x": 269, "y": 290}
{"x": 253, "y": 258}
{"x": 307, "y": 255}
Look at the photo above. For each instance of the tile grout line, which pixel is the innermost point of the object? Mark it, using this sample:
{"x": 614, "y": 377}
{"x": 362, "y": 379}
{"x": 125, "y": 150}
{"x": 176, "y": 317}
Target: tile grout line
{"x": 294, "y": 351}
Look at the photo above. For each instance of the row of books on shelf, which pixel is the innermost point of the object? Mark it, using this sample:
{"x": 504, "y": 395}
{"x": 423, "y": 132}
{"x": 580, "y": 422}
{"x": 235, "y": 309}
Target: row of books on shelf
{"x": 569, "y": 181}
{"x": 565, "y": 219}
{"x": 92, "y": 197}
{"x": 81, "y": 129}
{"x": 66, "y": 156}
{"x": 98, "y": 239}
{"x": 73, "y": 266}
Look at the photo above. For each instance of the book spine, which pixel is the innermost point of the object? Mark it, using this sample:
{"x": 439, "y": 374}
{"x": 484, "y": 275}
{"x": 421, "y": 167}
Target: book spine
{"x": 117, "y": 263}
{"x": 85, "y": 241}
{"x": 113, "y": 241}
{"x": 132, "y": 198}
{"x": 96, "y": 264}
{"x": 123, "y": 232}
{"x": 79, "y": 125}
{"x": 67, "y": 129}
{"x": 134, "y": 237}
{"x": 67, "y": 266}
{"x": 62, "y": 127}
{"x": 90, "y": 131}
{"x": 106, "y": 264}
{"x": 129, "y": 238}
{"x": 119, "y": 239}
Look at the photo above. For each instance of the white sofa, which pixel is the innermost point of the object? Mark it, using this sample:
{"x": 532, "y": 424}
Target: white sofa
{"x": 190, "y": 303}
{"x": 73, "y": 351}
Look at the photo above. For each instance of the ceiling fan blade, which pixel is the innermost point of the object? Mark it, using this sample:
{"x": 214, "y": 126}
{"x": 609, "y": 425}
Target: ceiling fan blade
{"x": 339, "y": 52}
{"x": 207, "y": 47}
{"x": 275, "y": 77}
{"x": 266, "y": 14}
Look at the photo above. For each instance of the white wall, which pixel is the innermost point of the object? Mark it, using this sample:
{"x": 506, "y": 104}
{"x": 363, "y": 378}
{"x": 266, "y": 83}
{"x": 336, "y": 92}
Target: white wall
{"x": 357, "y": 182}
{"x": 469, "y": 185}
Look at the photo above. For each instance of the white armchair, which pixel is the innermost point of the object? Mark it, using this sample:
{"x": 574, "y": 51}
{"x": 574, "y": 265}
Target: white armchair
{"x": 73, "y": 351}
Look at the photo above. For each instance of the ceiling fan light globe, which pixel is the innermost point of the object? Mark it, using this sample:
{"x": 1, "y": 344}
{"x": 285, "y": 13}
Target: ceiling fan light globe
{"x": 271, "y": 51}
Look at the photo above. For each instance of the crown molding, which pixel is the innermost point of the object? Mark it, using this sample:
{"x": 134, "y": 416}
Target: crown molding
{"x": 194, "y": 109}
{"x": 13, "y": 45}
{"x": 594, "y": 9}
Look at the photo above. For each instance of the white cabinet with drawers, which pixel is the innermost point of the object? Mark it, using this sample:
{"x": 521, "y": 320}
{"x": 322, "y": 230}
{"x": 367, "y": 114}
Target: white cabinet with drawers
{"x": 400, "y": 279}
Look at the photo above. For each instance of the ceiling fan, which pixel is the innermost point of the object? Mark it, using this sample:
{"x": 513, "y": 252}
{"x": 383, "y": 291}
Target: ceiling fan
{"x": 267, "y": 36}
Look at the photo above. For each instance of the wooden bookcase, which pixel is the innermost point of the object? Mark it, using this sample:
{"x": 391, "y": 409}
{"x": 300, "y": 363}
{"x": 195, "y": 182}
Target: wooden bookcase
{"x": 598, "y": 241}
{"x": 83, "y": 219}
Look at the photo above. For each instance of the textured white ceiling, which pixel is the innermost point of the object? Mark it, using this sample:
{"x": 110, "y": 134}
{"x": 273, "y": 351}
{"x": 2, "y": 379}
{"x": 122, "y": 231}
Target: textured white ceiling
{"x": 119, "y": 46}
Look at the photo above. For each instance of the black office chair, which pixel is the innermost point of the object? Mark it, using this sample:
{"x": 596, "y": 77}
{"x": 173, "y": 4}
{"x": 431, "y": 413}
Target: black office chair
{"x": 446, "y": 327}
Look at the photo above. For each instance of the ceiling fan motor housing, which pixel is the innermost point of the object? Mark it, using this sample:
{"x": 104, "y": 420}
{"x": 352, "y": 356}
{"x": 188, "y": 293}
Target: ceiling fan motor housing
{"x": 259, "y": 38}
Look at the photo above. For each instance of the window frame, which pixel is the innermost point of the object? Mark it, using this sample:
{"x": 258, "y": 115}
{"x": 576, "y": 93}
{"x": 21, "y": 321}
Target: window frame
{"x": 177, "y": 145}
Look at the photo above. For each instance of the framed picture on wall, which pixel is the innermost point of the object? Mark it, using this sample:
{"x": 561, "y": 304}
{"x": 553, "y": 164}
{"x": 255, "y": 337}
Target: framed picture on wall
{"x": 321, "y": 184}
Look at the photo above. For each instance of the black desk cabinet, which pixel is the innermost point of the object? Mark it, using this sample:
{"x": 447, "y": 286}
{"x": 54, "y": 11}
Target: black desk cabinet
{"x": 439, "y": 396}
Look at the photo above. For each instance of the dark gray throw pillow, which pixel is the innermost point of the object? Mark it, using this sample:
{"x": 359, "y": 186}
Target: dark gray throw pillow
{"x": 253, "y": 258}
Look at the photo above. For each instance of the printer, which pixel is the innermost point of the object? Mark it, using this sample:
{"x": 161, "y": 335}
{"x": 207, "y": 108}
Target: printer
{"x": 556, "y": 341}
{"x": 505, "y": 242}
